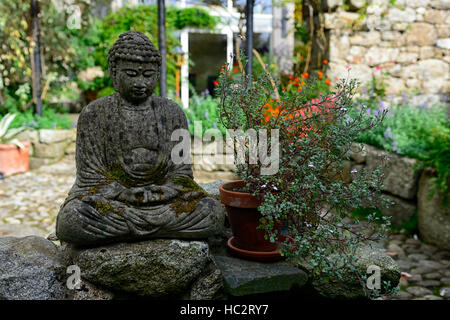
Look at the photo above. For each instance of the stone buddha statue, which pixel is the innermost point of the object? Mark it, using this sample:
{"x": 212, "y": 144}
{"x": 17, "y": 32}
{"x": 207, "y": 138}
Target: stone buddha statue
{"x": 127, "y": 186}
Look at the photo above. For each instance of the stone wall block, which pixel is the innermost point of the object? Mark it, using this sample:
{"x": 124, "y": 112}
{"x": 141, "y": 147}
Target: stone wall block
{"x": 433, "y": 217}
{"x": 52, "y": 151}
{"x": 49, "y": 136}
{"x": 421, "y": 34}
{"x": 400, "y": 178}
{"x": 431, "y": 69}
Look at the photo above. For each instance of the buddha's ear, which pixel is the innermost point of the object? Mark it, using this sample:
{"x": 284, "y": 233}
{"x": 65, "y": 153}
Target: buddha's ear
{"x": 114, "y": 82}
{"x": 112, "y": 74}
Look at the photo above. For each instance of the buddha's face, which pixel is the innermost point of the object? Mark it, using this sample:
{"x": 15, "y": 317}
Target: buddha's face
{"x": 135, "y": 81}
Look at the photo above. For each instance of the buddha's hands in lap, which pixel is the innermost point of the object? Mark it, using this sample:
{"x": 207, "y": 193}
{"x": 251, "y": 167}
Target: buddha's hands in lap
{"x": 147, "y": 194}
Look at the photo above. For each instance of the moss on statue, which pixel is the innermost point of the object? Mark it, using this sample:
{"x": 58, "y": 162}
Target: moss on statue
{"x": 181, "y": 205}
{"x": 188, "y": 184}
{"x": 190, "y": 195}
{"x": 104, "y": 208}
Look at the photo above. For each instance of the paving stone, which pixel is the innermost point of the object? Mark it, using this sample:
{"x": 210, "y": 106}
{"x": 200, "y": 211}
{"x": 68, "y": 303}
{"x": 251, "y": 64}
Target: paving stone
{"x": 411, "y": 249}
{"x": 446, "y": 273}
{"x": 406, "y": 265}
{"x": 446, "y": 281}
{"x": 445, "y": 262}
{"x": 428, "y": 248}
{"x": 432, "y": 276}
{"x": 422, "y": 270}
{"x": 392, "y": 247}
{"x": 417, "y": 256}
{"x": 415, "y": 278}
{"x": 430, "y": 264}
{"x": 429, "y": 283}
{"x": 400, "y": 237}
{"x": 402, "y": 295}
{"x": 243, "y": 277}
{"x": 412, "y": 241}
{"x": 397, "y": 242}
{"x": 429, "y": 297}
{"x": 419, "y": 291}
{"x": 441, "y": 255}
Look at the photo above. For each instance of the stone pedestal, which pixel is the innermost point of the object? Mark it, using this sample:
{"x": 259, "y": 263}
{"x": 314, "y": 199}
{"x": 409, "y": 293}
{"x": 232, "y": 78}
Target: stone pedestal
{"x": 242, "y": 277}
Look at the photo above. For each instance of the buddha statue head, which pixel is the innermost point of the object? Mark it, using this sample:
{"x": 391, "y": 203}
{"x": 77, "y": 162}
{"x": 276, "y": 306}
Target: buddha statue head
{"x": 134, "y": 64}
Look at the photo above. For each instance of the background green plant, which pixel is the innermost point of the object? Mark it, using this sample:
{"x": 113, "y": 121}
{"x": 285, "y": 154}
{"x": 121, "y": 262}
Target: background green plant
{"x": 58, "y": 54}
{"x": 49, "y": 120}
{"x": 203, "y": 108}
{"x": 420, "y": 132}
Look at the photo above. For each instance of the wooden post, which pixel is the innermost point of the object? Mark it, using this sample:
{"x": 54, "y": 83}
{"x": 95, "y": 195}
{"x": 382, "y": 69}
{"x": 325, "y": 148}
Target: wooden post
{"x": 162, "y": 48}
{"x": 36, "y": 58}
{"x": 249, "y": 36}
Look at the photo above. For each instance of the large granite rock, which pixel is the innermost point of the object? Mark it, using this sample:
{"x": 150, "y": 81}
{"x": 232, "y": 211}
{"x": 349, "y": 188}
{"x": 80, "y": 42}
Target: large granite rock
{"x": 350, "y": 287}
{"x": 242, "y": 277}
{"x": 31, "y": 268}
{"x": 433, "y": 218}
{"x": 400, "y": 177}
{"x": 155, "y": 268}
{"x": 208, "y": 287}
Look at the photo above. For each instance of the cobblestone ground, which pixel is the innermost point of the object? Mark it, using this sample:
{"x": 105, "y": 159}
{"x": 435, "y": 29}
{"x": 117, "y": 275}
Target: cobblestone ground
{"x": 29, "y": 204}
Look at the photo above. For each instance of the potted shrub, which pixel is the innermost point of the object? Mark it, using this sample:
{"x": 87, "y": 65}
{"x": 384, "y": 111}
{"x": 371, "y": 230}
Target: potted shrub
{"x": 305, "y": 194}
{"x": 13, "y": 153}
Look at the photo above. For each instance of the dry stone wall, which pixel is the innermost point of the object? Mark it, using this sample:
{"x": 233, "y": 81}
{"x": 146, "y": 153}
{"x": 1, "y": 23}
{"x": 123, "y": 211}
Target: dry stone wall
{"x": 408, "y": 39}
{"x": 48, "y": 145}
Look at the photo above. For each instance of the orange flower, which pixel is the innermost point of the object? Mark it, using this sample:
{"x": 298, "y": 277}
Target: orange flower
{"x": 216, "y": 82}
{"x": 270, "y": 112}
{"x": 320, "y": 73}
{"x": 325, "y": 61}
{"x": 235, "y": 70}
{"x": 299, "y": 88}
{"x": 328, "y": 82}
{"x": 291, "y": 77}
{"x": 303, "y": 83}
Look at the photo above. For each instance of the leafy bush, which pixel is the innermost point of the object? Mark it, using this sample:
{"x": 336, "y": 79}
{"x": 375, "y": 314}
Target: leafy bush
{"x": 203, "y": 108}
{"x": 58, "y": 54}
{"x": 49, "y": 120}
{"x": 95, "y": 44}
{"x": 418, "y": 132}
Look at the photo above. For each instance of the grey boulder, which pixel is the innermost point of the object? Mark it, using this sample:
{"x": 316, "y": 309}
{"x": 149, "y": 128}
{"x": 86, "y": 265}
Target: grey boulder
{"x": 31, "y": 268}
{"x": 155, "y": 268}
{"x": 350, "y": 287}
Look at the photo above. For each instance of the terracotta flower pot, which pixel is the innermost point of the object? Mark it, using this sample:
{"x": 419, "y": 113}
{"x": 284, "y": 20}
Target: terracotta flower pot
{"x": 13, "y": 159}
{"x": 244, "y": 218}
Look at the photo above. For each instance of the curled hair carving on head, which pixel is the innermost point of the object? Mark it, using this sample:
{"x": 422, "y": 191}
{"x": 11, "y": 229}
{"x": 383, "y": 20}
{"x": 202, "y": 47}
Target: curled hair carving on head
{"x": 132, "y": 46}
